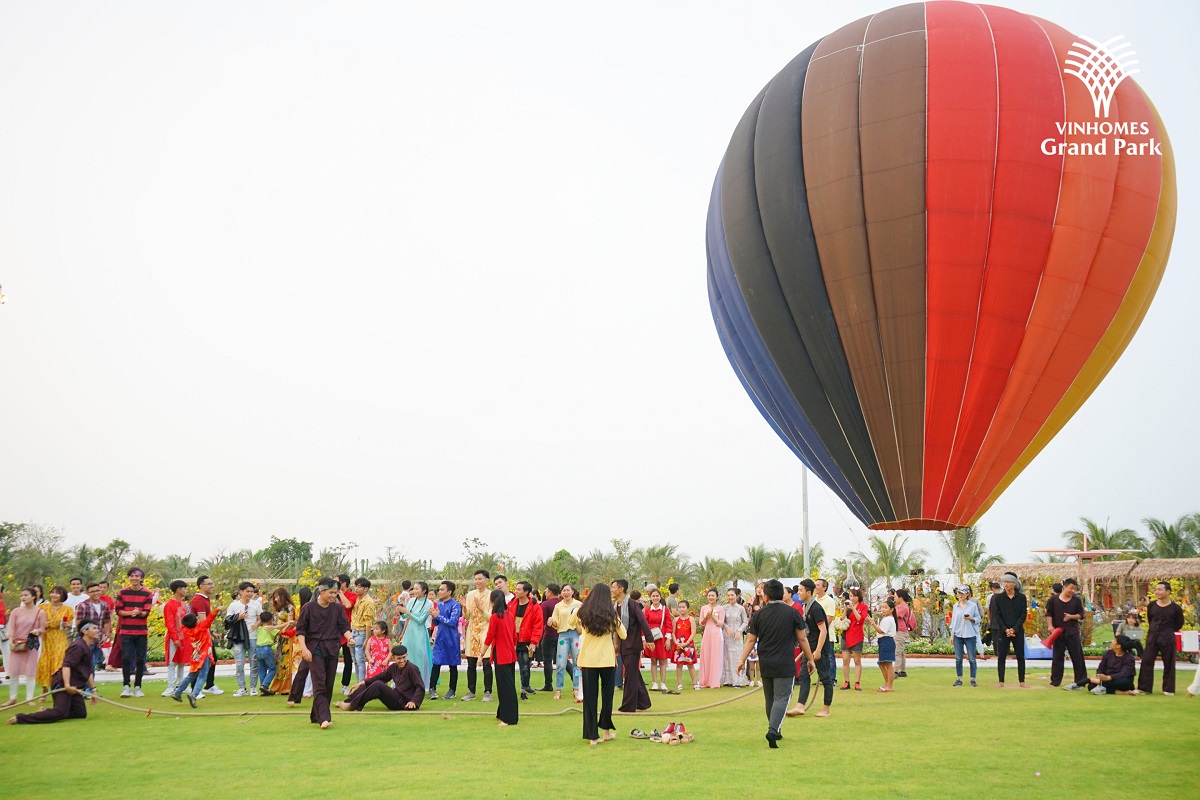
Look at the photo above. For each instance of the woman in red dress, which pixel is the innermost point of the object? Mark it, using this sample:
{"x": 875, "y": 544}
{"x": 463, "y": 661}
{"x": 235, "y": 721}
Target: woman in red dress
{"x": 852, "y": 640}
{"x": 659, "y": 620}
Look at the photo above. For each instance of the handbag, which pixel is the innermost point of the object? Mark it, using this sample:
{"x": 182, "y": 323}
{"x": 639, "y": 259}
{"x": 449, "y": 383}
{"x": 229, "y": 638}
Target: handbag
{"x": 18, "y": 646}
{"x": 841, "y": 624}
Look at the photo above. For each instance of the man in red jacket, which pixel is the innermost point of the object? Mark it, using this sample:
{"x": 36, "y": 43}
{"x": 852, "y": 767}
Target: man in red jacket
{"x": 178, "y": 657}
{"x": 527, "y": 617}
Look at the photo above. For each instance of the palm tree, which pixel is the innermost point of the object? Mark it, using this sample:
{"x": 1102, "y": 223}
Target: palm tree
{"x": 888, "y": 559}
{"x": 659, "y": 563}
{"x": 714, "y": 572}
{"x": 81, "y": 562}
{"x": 177, "y": 566}
{"x": 1101, "y": 538}
{"x": 787, "y": 563}
{"x": 539, "y": 572}
{"x": 755, "y": 565}
{"x": 967, "y": 551}
{"x": 816, "y": 556}
{"x": 1171, "y": 541}
{"x": 583, "y": 566}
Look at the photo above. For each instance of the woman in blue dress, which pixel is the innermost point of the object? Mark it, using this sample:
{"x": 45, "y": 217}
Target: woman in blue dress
{"x": 447, "y": 650}
{"x": 415, "y": 635}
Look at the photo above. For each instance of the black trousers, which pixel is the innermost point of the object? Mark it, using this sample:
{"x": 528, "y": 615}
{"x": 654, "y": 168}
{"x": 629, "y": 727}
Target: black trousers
{"x": 296, "y": 693}
{"x": 1118, "y": 685}
{"x": 437, "y": 673}
{"x": 324, "y": 673}
{"x": 1002, "y": 644}
{"x": 379, "y": 690}
{"x": 66, "y": 706}
{"x": 548, "y": 654}
{"x": 1062, "y": 645}
{"x": 1135, "y": 647}
{"x": 506, "y": 689}
{"x": 133, "y": 658}
{"x": 473, "y": 675}
{"x": 598, "y": 685}
{"x": 1155, "y": 648}
{"x": 634, "y": 696}
{"x": 348, "y": 660}
{"x": 524, "y": 656}
{"x": 825, "y": 676}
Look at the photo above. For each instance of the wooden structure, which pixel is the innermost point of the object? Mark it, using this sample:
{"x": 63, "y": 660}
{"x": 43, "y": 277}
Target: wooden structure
{"x": 1114, "y": 582}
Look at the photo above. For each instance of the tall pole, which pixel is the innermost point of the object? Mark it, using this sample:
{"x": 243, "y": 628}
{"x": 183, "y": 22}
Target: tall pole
{"x": 804, "y": 512}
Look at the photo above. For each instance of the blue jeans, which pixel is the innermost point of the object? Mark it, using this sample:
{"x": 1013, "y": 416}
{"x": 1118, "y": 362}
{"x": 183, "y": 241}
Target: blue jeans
{"x": 243, "y": 654}
{"x": 568, "y": 651}
{"x": 266, "y": 664}
{"x": 97, "y": 657}
{"x": 359, "y": 640}
{"x": 194, "y": 679}
{"x": 962, "y": 643}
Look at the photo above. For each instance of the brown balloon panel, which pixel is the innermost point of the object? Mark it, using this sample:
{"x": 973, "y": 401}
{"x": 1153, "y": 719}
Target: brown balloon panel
{"x": 917, "y": 269}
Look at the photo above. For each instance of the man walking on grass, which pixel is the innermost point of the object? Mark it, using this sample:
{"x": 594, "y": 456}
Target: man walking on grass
{"x": 320, "y": 631}
{"x": 777, "y": 628}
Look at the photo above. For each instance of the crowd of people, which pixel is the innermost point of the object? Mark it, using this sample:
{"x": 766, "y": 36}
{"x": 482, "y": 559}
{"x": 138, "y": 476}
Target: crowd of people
{"x": 779, "y": 639}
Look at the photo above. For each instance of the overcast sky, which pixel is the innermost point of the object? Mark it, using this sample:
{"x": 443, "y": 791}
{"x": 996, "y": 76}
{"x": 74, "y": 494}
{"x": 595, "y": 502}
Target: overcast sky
{"x": 399, "y": 274}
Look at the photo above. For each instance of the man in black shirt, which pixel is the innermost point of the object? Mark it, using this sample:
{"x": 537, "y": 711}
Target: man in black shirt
{"x": 1006, "y": 615}
{"x": 777, "y": 628}
{"x": 319, "y": 632}
{"x": 1064, "y": 611}
{"x": 1165, "y": 617}
{"x": 816, "y": 624}
{"x": 70, "y": 682}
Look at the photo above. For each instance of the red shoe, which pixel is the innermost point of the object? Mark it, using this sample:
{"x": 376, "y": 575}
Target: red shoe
{"x": 669, "y": 729}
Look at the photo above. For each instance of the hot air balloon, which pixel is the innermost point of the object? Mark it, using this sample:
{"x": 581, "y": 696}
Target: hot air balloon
{"x": 930, "y": 238}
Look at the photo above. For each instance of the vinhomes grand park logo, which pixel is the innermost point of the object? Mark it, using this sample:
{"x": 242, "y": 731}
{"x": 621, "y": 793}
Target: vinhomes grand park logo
{"x": 1102, "y": 67}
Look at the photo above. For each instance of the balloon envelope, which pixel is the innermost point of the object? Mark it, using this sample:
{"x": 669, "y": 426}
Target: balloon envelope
{"x": 916, "y": 267}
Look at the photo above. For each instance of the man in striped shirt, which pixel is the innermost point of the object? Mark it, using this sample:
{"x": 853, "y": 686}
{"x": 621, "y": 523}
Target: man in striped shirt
{"x": 133, "y": 607}
{"x": 95, "y": 610}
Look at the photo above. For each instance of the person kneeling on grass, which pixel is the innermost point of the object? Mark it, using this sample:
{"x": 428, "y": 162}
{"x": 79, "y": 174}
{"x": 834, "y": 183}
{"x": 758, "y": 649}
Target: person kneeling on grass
{"x": 1116, "y": 670}
{"x": 197, "y": 634}
{"x": 407, "y": 695}
{"x": 70, "y": 682}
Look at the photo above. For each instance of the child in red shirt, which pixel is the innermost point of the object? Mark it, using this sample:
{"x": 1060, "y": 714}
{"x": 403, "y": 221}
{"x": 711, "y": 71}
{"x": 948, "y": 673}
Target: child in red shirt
{"x": 197, "y": 634}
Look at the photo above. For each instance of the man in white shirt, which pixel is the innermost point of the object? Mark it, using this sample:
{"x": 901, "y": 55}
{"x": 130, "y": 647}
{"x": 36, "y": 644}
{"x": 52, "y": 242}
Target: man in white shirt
{"x": 243, "y": 610}
{"x": 76, "y": 595}
{"x": 830, "y": 607}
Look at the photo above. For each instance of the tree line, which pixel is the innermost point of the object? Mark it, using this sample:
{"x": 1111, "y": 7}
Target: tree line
{"x": 38, "y": 553}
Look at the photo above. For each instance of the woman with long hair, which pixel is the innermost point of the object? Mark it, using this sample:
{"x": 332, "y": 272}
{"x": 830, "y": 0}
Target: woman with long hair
{"x": 60, "y": 618}
{"x": 852, "y": 640}
{"x": 659, "y": 619}
{"x": 562, "y": 619}
{"x": 285, "y": 616}
{"x": 301, "y": 681}
{"x": 712, "y": 643}
{"x": 501, "y": 640}
{"x": 415, "y": 634}
{"x": 24, "y": 621}
{"x": 598, "y": 621}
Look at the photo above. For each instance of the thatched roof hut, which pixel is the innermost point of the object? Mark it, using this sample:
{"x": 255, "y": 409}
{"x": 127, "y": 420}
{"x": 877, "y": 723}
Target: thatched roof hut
{"x": 1031, "y": 572}
{"x": 1154, "y": 569}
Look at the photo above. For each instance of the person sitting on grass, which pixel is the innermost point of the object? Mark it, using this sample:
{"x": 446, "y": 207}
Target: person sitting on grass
{"x": 407, "y": 695}
{"x": 1116, "y": 670}
{"x": 197, "y": 634}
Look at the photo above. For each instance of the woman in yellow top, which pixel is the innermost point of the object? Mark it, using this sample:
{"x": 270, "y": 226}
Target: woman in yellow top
{"x": 568, "y": 642}
{"x": 597, "y": 622}
{"x": 60, "y": 618}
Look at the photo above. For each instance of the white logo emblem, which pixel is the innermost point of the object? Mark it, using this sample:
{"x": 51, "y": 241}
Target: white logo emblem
{"x": 1101, "y": 67}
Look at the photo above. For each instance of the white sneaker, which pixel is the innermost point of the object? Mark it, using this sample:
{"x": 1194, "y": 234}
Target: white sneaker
{"x": 254, "y": 692}
{"x": 127, "y": 692}
{"x": 1168, "y": 694}
{"x": 654, "y": 686}
{"x": 137, "y": 692}
{"x": 345, "y": 691}
{"x": 200, "y": 695}
{"x": 215, "y": 690}
{"x": 679, "y": 687}
{"x": 169, "y": 692}
{"x": 240, "y": 693}
{"x": 1099, "y": 690}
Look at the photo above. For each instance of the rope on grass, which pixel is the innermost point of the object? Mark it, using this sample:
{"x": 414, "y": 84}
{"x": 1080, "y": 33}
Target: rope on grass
{"x": 249, "y": 713}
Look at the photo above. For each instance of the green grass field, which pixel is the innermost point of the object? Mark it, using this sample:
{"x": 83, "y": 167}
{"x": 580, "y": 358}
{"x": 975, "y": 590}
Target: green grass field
{"x": 926, "y": 737}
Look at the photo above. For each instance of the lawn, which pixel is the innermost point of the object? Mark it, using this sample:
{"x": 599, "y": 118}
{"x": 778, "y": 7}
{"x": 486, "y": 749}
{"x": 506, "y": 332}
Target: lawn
{"x": 926, "y": 737}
